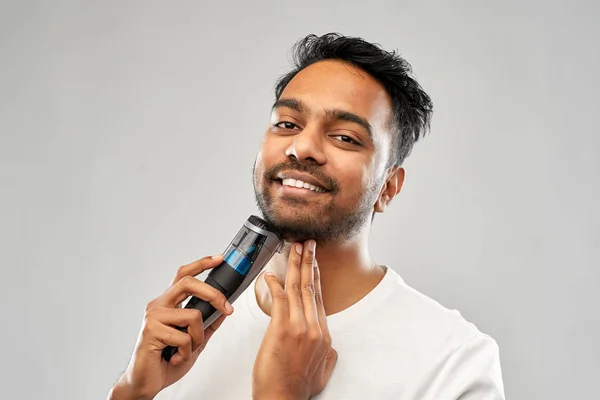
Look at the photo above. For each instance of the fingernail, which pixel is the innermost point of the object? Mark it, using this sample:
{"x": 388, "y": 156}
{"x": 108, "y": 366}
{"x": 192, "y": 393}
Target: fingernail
{"x": 312, "y": 244}
{"x": 298, "y": 248}
{"x": 268, "y": 273}
{"x": 216, "y": 256}
{"x": 228, "y": 307}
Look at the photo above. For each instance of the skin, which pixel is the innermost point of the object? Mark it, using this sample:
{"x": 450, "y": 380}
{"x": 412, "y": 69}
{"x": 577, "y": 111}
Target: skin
{"x": 323, "y": 271}
{"x": 295, "y": 359}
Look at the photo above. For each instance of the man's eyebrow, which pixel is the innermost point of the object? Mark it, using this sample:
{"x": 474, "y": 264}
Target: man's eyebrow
{"x": 341, "y": 115}
{"x": 294, "y": 104}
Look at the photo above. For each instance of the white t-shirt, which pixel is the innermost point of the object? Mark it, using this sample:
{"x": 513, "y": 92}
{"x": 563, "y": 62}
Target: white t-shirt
{"x": 395, "y": 343}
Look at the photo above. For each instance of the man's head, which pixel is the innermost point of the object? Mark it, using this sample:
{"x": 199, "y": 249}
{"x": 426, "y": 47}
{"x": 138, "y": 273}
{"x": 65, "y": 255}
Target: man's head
{"x": 344, "y": 120}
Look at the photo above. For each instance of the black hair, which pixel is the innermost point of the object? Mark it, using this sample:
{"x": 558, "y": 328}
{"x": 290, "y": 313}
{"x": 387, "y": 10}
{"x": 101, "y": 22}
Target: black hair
{"x": 412, "y": 108}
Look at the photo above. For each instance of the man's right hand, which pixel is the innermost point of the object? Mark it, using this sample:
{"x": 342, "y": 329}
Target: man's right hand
{"x": 148, "y": 373}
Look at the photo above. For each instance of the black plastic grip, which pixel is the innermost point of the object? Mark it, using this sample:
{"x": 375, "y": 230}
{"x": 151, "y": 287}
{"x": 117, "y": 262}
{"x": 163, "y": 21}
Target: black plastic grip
{"x": 223, "y": 275}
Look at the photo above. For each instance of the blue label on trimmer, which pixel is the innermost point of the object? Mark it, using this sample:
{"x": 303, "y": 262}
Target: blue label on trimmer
{"x": 238, "y": 261}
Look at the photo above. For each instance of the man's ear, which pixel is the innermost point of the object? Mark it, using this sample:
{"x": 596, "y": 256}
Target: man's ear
{"x": 391, "y": 187}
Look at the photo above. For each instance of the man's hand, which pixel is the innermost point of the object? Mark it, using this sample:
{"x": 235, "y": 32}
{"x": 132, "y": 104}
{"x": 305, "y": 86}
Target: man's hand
{"x": 148, "y": 373}
{"x": 295, "y": 359}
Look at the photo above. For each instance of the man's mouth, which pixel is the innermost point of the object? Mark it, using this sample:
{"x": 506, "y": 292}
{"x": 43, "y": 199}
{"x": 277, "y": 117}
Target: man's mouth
{"x": 296, "y": 182}
{"x": 299, "y": 184}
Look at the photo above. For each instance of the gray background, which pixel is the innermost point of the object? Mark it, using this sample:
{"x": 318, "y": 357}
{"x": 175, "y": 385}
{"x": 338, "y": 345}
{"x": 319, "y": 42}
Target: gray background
{"x": 129, "y": 129}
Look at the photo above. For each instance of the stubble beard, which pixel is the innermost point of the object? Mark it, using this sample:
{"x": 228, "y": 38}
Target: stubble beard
{"x": 299, "y": 219}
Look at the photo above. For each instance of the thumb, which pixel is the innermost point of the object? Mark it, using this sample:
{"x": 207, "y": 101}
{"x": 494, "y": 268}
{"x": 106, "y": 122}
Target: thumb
{"x": 274, "y": 285}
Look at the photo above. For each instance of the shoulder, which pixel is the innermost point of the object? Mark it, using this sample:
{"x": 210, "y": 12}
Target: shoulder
{"x": 418, "y": 317}
{"x": 453, "y": 352}
{"x": 448, "y": 356}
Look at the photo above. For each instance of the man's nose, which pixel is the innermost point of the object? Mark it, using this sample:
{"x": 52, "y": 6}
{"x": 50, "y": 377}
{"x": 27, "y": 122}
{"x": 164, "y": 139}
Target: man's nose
{"x": 308, "y": 146}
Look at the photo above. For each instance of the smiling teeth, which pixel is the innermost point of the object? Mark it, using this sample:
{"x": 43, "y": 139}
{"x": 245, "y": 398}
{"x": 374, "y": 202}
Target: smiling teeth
{"x": 300, "y": 184}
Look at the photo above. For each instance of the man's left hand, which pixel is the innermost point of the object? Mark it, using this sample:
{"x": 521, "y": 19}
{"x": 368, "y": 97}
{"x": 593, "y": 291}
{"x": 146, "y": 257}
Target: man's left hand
{"x": 295, "y": 359}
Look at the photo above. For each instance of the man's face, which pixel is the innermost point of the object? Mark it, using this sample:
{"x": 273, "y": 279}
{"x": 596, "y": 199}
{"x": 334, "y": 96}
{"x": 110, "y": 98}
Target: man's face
{"x": 329, "y": 133}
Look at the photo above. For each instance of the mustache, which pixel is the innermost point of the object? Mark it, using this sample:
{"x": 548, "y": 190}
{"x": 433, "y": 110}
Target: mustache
{"x": 329, "y": 182}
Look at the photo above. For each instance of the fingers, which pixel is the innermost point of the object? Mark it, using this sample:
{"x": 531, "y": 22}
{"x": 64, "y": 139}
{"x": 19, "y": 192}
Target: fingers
{"x": 196, "y": 330}
{"x": 181, "y": 317}
{"x": 280, "y": 307}
{"x": 292, "y": 283}
{"x": 165, "y": 336}
{"x": 197, "y": 267}
{"x": 322, "y": 317}
{"x": 300, "y": 287}
{"x": 307, "y": 284}
{"x": 325, "y": 342}
{"x": 188, "y": 286}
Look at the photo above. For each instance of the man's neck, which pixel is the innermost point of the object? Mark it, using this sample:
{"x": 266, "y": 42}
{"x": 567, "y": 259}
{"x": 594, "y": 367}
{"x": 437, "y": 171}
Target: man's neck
{"x": 347, "y": 274}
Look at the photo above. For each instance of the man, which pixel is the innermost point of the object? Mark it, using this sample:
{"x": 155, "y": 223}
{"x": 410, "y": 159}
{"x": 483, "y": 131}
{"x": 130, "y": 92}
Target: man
{"x": 326, "y": 321}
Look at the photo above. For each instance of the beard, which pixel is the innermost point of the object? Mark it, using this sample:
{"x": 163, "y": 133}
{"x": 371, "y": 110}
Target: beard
{"x": 300, "y": 219}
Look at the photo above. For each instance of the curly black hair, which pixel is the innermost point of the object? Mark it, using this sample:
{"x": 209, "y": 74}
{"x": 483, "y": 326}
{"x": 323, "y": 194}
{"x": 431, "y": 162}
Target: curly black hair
{"x": 412, "y": 107}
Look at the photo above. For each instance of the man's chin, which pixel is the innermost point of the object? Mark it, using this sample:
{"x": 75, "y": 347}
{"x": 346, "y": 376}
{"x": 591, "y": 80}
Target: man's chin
{"x": 293, "y": 227}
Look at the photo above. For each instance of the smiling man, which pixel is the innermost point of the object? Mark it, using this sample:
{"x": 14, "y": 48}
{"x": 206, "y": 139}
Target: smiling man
{"x": 327, "y": 321}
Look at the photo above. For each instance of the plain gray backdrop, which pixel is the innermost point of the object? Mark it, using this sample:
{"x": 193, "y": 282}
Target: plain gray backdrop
{"x": 129, "y": 131}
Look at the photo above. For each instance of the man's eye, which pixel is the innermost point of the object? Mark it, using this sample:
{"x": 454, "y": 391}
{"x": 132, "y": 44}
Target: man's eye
{"x": 345, "y": 139}
{"x": 286, "y": 125}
